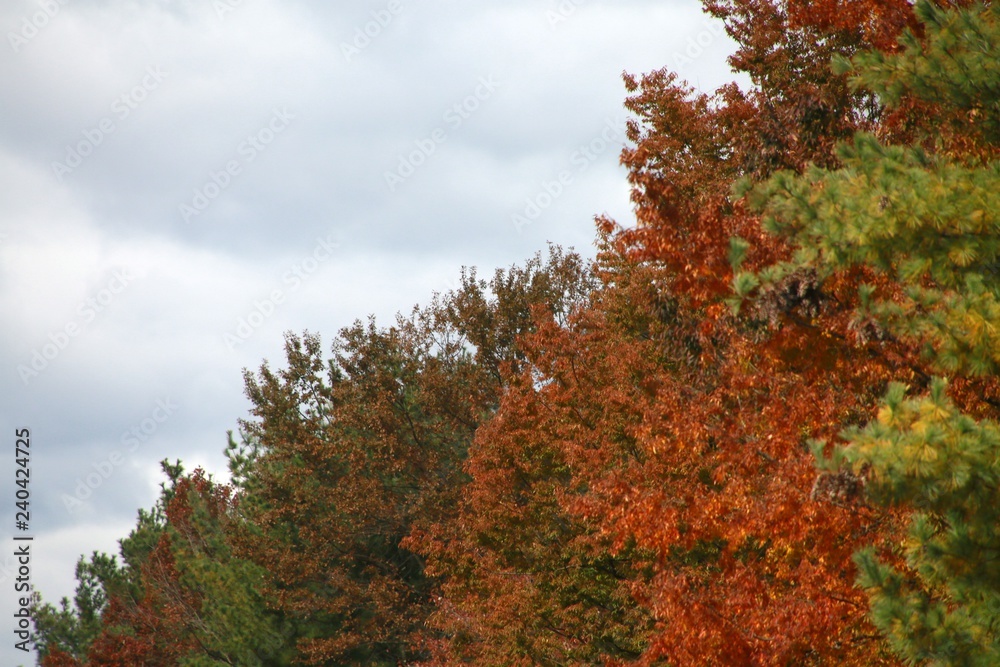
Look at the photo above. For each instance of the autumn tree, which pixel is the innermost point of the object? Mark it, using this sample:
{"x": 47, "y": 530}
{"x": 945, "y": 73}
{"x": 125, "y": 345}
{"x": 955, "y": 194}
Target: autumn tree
{"x": 925, "y": 216}
{"x": 525, "y": 579}
{"x": 347, "y": 456}
{"x": 64, "y": 634}
{"x": 178, "y": 597}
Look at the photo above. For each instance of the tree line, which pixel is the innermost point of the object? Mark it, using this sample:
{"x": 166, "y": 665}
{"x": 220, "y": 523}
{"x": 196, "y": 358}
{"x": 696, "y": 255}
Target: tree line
{"x": 760, "y": 429}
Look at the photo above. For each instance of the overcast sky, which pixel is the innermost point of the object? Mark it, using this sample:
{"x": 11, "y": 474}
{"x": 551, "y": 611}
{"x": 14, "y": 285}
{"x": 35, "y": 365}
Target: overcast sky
{"x": 185, "y": 180}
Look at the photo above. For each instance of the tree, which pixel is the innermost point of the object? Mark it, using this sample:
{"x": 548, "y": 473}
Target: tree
{"x": 178, "y": 598}
{"x": 750, "y": 561}
{"x": 528, "y": 579}
{"x": 347, "y": 457}
{"x": 64, "y": 634}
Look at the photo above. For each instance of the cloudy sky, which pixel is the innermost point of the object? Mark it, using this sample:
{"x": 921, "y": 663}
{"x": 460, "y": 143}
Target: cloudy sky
{"x": 185, "y": 180}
